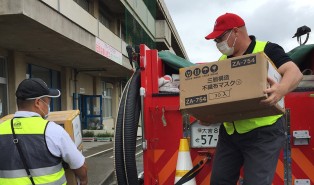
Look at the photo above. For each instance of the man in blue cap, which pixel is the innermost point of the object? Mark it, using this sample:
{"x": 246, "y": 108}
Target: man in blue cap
{"x": 32, "y": 148}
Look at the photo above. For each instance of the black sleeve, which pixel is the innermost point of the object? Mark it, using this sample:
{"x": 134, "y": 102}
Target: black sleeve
{"x": 276, "y": 53}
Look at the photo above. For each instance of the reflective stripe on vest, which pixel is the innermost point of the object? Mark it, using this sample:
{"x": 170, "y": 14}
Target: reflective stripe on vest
{"x": 243, "y": 126}
{"x": 41, "y": 180}
{"x": 44, "y": 167}
{"x": 34, "y": 172}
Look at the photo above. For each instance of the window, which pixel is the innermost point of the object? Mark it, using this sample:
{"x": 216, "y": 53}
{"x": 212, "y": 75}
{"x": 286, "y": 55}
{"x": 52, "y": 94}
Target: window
{"x": 52, "y": 79}
{"x": 122, "y": 30}
{"x": 104, "y": 20}
{"x": 104, "y": 15}
{"x": 84, "y": 4}
{"x": 3, "y": 88}
{"x": 107, "y": 99}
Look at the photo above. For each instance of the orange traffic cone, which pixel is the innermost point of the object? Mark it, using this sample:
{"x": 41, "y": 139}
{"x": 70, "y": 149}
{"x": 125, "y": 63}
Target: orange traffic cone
{"x": 184, "y": 162}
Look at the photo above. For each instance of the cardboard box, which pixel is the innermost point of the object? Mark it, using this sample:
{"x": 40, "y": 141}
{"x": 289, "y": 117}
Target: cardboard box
{"x": 229, "y": 90}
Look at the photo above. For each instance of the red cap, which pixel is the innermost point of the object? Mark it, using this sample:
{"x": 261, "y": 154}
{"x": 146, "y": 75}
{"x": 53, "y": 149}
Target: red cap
{"x": 225, "y": 22}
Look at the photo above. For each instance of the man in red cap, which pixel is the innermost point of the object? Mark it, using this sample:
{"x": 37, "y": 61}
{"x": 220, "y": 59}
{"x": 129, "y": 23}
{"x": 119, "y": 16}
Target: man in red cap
{"x": 253, "y": 144}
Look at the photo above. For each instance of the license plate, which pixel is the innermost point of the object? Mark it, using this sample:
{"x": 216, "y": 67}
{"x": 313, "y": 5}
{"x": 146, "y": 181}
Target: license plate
{"x": 204, "y": 136}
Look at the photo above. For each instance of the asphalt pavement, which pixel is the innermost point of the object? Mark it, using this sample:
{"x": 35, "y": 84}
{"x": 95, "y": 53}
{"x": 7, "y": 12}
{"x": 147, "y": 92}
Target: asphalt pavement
{"x": 99, "y": 159}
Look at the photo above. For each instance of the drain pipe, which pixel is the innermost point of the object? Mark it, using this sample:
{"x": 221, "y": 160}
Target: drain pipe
{"x": 75, "y": 105}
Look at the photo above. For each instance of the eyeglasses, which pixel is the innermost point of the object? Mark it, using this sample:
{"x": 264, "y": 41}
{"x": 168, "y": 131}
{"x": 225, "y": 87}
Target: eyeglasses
{"x": 220, "y": 38}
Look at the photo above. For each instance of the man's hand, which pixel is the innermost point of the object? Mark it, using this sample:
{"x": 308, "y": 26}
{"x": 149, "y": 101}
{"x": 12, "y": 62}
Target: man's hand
{"x": 274, "y": 92}
{"x": 81, "y": 173}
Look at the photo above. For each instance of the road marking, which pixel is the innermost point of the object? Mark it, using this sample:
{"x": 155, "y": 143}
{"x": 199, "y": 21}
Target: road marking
{"x": 139, "y": 153}
{"x": 135, "y": 154}
{"x": 98, "y": 153}
{"x": 112, "y": 149}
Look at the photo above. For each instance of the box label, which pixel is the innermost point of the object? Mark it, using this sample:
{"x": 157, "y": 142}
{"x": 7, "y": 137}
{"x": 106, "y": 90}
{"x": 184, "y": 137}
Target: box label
{"x": 196, "y": 100}
{"x": 219, "y": 94}
{"x": 243, "y": 61}
{"x": 220, "y": 82}
{"x": 199, "y": 72}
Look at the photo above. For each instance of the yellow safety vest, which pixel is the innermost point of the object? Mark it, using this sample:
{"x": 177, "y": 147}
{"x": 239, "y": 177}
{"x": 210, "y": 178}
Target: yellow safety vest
{"x": 44, "y": 167}
{"x": 243, "y": 126}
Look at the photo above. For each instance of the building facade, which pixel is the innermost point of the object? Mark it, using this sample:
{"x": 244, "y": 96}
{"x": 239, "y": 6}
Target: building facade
{"x": 79, "y": 47}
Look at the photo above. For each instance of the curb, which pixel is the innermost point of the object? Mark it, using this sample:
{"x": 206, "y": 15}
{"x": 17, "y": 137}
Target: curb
{"x": 88, "y": 139}
{"x": 100, "y": 139}
{"x": 110, "y": 179}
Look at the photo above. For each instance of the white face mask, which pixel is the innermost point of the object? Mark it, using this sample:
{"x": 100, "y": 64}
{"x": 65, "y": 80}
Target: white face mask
{"x": 45, "y": 115}
{"x": 224, "y": 48}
